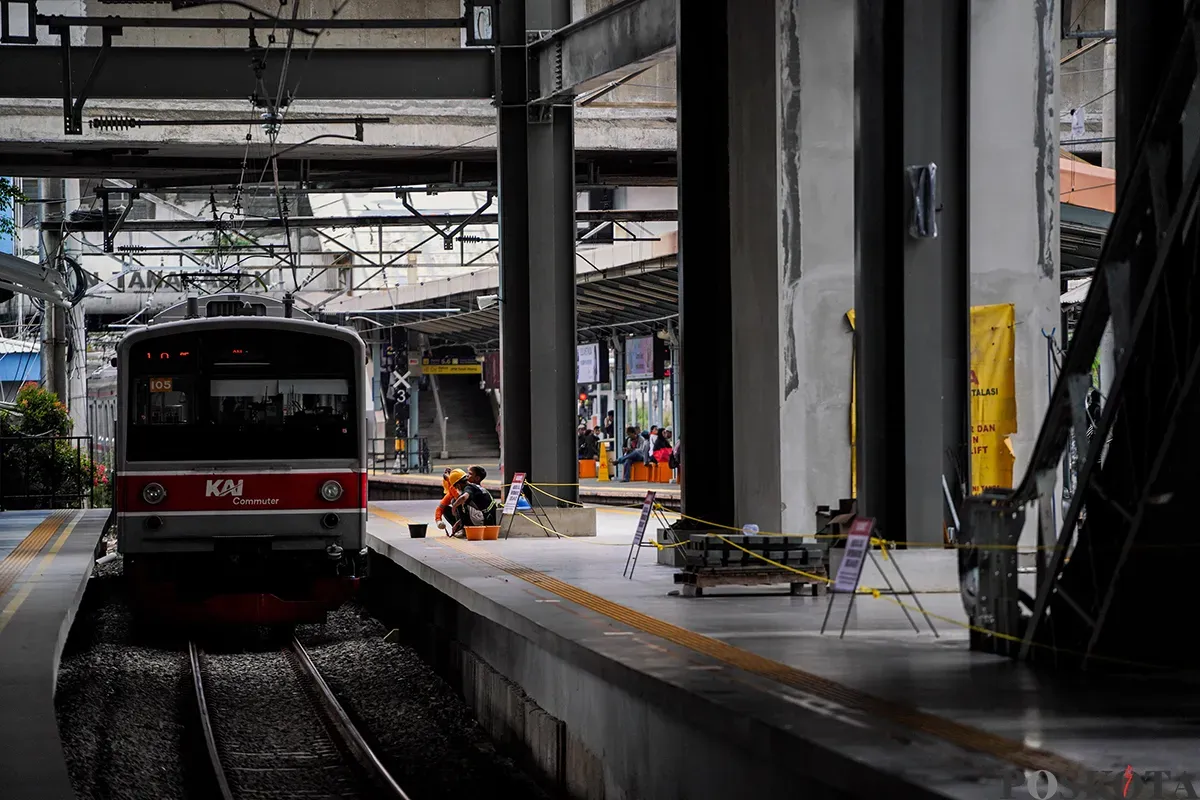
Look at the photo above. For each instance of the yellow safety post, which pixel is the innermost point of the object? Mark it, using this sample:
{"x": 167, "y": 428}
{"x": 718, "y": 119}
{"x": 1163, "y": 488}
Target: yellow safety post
{"x": 602, "y": 475}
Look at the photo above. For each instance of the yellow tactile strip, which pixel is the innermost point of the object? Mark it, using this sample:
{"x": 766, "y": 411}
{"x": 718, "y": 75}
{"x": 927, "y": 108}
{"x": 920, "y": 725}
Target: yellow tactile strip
{"x": 956, "y": 733}
{"x": 16, "y": 561}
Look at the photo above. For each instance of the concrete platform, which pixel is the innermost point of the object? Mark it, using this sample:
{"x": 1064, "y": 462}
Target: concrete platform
{"x": 737, "y": 693}
{"x": 416, "y": 486}
{"x": 42, "y": 579}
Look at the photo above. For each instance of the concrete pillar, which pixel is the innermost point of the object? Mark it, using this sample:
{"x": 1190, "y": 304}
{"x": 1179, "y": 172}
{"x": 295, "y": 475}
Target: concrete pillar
{"x": 1014, "y": 52}
{"x": 754, "y": 253}
{"x": 1108, "y": 151}
{"x": 816, "y": 199}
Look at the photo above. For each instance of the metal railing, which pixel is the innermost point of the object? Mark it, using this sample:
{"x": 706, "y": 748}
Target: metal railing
{"x": 47, "y": 472}
{"x": 398, "y": 456}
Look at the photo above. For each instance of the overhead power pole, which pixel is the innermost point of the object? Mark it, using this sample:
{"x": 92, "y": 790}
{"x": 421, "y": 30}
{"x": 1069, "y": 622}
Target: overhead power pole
{"x": 54, "y": 319}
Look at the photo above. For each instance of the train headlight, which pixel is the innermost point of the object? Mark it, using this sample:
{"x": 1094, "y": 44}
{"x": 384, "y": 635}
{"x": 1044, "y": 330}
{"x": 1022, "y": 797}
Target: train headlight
{"x": 331, "y": 490}
{"x": 154, "y": 493}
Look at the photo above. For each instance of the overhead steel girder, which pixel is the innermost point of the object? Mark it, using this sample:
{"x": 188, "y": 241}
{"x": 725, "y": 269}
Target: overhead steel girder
{"x": 387, "y": 221}
{"x": 601, "y": 48}
{"x": 227, "y": 73}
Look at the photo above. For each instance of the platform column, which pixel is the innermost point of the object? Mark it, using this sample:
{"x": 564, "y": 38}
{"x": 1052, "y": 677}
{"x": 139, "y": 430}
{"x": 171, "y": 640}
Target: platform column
{"x": 512, "y": 91}
{"x": 879, "y": 264}
{"x": 551, "y": 223}
{"x": 936, "y": 297}
{"x": 754, "y": 250}
{"x": 706, "y": 373}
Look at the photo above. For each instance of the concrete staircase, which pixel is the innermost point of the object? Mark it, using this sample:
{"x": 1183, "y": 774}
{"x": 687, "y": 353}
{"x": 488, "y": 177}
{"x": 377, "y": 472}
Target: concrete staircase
{"x": 471, "y": 427}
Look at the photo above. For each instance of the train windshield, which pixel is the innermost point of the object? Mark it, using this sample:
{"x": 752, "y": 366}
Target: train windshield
{"x": 242, "y": 395}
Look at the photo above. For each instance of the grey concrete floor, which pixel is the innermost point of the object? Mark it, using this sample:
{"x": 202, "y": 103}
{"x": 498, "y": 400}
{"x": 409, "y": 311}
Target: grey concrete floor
{"x": 1104, "y": 722}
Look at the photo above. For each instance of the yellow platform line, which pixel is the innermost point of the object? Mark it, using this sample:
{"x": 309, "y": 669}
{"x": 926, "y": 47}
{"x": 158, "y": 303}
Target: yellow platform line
{"x": 956, "y": 733}
{"x": 14, "y": 604}
{"x": 16, "y": 561}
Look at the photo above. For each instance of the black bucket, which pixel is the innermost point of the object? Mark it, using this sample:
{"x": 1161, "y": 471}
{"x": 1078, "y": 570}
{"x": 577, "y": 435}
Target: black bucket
{"x": 417, "y": 530}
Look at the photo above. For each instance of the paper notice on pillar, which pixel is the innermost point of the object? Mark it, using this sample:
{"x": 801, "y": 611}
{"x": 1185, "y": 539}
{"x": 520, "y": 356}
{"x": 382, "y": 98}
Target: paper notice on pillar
{"x": 993, "y": 396}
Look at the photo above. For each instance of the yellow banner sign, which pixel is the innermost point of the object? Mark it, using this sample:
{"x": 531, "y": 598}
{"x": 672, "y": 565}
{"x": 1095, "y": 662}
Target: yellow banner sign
{"x": 453, "y": 369}
{"x": 993, "y": 399}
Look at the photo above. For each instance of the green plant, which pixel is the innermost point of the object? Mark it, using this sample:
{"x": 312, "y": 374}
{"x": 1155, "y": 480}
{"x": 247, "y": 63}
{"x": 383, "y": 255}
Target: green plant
{"x": 40, "y": 467}
{"x": 10, "y": 196}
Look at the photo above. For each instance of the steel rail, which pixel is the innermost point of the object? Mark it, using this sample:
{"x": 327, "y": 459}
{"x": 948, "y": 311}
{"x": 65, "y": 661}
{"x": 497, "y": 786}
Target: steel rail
{"x": 210, "y": 740}
{"x": 345, "y": 727}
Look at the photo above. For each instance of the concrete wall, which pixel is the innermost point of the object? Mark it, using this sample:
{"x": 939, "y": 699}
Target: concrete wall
{"x": 817, "y": 252}
{"x": 1014, "y": 187}
{"x": 1014, "y": 222}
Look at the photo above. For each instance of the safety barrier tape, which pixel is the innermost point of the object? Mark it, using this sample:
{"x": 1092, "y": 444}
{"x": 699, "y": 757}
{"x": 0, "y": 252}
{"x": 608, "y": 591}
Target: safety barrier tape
{"x": 1011, "y": 751}
{"x": 881, "y": 594}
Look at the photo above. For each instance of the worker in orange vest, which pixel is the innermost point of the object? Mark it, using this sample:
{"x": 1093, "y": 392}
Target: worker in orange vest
{"x": 445, "y": 511}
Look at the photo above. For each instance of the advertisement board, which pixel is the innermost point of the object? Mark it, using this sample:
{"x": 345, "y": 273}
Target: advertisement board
{"x": 591, "y": 363}
{"x": 640, "y": 354}
{"x": 587, "y": 363}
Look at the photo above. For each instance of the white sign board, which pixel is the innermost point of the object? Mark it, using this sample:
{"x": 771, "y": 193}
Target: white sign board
{"x": 639, "y": 358}
{"x": 587, "y": 362}
{"x": 850, "y": 570}
{"x": 647, "y": 507}
{"x": 514, "y": 494}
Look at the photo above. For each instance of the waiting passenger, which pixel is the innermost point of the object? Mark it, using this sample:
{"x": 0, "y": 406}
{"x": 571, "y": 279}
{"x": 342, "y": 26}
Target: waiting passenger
{"x": 446, "y": 511}
{"x": 662, "y": 454}
{"x": 640, "y": 455}
{"x": 474, "y": 505}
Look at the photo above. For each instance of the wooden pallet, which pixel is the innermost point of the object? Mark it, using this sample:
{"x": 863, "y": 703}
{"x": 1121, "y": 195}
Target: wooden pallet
{"x": 695, "y": 581}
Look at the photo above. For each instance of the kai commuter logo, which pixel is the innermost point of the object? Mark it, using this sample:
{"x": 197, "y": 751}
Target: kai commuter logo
{"x": 223, "y": 488}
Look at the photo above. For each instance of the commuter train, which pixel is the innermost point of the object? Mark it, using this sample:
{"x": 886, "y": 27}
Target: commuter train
{"x": 240, "y": 456}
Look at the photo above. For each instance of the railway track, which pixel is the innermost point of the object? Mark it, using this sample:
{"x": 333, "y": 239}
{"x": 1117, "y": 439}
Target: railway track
{"x": 272, "y": 727}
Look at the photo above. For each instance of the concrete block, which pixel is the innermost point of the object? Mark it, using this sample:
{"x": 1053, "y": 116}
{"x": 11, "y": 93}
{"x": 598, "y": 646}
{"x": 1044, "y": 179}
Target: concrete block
{"x": 671, "y": 556}
{"x": 566, "y": 521}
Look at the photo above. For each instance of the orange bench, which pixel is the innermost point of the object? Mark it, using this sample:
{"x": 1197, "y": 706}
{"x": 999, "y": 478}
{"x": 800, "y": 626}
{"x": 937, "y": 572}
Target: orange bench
{"x": 640, "y": 473}
{"x": 660, "y": 473}
{"x": 587, "y": 468}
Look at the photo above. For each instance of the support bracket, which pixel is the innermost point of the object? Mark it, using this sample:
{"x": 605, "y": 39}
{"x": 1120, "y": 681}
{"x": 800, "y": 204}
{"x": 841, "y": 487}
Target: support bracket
{"x": 447, "y": 235}
{"x": 72, "y": 103}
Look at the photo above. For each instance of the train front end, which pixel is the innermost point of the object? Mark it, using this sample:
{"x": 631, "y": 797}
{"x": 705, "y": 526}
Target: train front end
{"x": 241, "y": 492}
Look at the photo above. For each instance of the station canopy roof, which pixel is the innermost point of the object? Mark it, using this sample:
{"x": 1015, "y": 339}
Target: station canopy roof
{"x": 623, "y": 290}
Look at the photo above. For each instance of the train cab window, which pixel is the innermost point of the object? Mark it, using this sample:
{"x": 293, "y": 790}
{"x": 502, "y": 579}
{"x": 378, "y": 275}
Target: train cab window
{"x": 164, "y": 400}
{"x": 241, "y": 394}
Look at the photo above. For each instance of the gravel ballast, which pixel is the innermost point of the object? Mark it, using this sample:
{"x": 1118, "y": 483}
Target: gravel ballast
{"x": 118, "y": 702}
{"x": 426, "y": 735}
{"x": 127, "y": 719}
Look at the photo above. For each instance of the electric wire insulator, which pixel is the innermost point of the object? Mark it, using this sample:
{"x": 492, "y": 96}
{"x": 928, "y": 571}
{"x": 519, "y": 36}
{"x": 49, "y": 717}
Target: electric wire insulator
{"x": 114, "y": 123}
{"x": 132, "y": 248}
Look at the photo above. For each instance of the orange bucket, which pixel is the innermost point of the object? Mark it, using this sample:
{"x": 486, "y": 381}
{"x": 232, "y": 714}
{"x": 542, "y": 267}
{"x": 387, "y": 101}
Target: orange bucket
{"x": 491, "y": 533}
{"x": 475, "y": 533}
